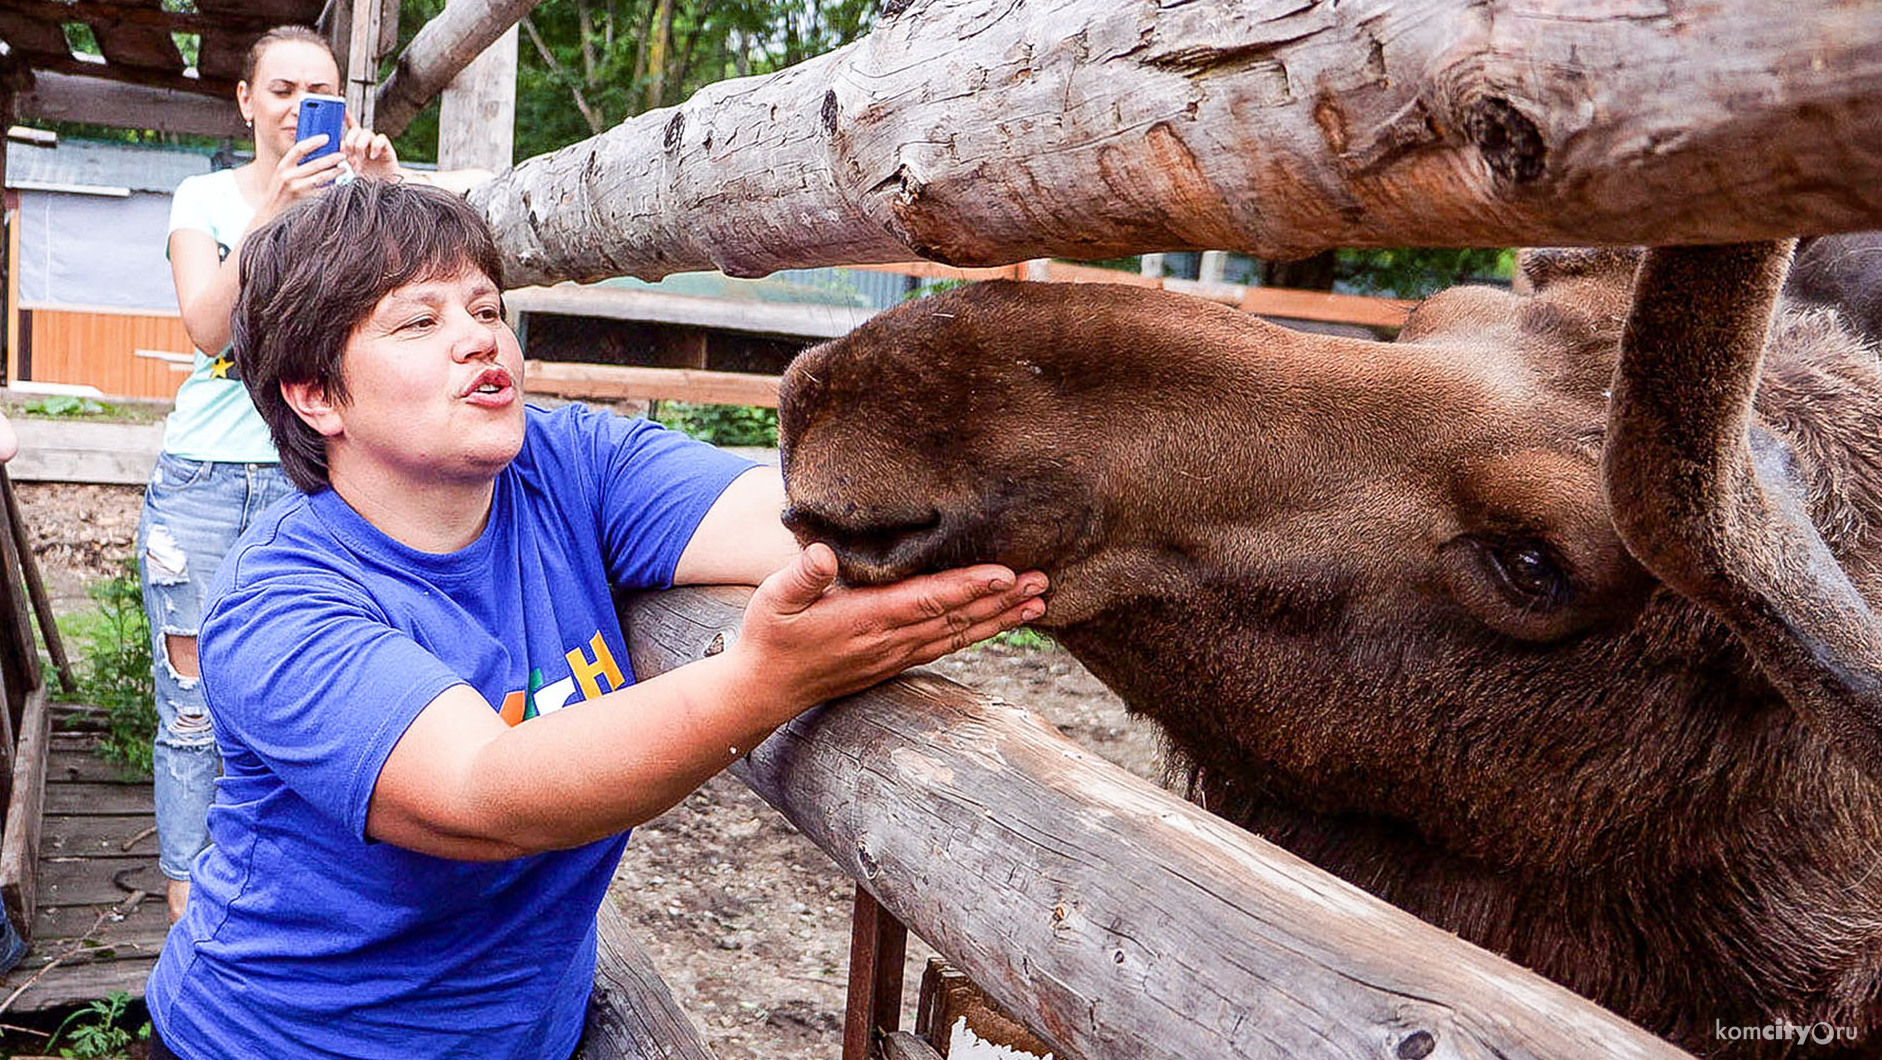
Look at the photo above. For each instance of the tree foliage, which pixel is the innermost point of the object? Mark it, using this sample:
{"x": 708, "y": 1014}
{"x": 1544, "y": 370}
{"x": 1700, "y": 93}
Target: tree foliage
{"x": 584, "y": 66}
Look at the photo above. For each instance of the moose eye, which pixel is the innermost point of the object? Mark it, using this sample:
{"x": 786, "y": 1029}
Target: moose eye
{"x": 1530, "y": 573}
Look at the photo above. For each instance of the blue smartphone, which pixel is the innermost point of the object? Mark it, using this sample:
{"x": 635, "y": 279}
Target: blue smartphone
{"x": 321, "y": 114}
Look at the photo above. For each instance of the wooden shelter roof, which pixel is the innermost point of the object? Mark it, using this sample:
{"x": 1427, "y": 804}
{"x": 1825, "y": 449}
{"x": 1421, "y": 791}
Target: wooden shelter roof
{"x": 136, "y": 37}
{"x": 141, "y": 79}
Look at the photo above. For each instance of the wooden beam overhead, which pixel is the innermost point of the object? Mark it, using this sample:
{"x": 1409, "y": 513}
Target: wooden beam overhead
{"x": 133, "y": 75}
{"x": 27, "y": 36}
{"x": 138, "y": 43}
{"x": 64, "y": 97}
{"x": 446, "y": 45}
{"x": 96, "y": 13}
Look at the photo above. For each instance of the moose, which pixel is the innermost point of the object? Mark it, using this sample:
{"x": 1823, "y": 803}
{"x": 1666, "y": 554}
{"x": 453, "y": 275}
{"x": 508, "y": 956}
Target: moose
{"x": 1546, "y": 622}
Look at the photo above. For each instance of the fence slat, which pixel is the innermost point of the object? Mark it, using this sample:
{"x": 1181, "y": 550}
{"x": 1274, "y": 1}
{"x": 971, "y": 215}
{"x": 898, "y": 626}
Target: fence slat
{"x": 1112, "y": 917}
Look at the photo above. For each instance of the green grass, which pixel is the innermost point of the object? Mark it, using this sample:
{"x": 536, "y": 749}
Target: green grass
{"x": 1025, "y": 638}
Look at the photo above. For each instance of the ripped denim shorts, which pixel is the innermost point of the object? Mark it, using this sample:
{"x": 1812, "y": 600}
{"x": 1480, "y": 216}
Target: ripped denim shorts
{"x": 193, "y": 512}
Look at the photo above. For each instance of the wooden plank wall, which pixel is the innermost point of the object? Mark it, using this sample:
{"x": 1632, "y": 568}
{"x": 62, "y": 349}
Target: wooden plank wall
{"x": 98, "y": 348}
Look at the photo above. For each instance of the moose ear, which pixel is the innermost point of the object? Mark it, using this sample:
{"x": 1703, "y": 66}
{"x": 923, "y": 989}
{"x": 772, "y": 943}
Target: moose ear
{"x": 1538, "y": 267}
{"x": 1712, "y": 503}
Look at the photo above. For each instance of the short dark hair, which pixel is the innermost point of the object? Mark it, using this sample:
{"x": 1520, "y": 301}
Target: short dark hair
{"x": 275, "y": 36}
{"x": 314, "y": 273}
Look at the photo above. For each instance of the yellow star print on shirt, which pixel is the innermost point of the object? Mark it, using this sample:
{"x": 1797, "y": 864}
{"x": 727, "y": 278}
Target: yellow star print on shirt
{"x": 221, "y": 368}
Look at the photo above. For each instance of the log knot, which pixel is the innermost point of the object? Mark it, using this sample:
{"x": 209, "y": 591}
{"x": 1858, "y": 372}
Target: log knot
{"x": 1507, "y": 139}
{"x": 1417, "y": 1045}
{"x": 830, "y": 112}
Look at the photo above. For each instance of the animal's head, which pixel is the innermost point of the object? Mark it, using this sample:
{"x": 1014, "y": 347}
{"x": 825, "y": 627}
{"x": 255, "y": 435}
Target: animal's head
{"x": 1371, "y": 567}
{"x": 1128, "y": 440}
{"x": 1553, "y": 600}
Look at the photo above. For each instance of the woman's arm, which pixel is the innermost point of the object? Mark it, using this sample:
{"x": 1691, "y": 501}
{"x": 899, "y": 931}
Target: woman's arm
{"x": 742, "y": 539}
{"x": 462, "y": 784}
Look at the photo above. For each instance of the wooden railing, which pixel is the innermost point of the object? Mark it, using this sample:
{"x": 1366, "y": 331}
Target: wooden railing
{"x": 621, "y": 382}
{"x": 24, "y": 721}
{"x": 1111, "y": 917}
{"x": 139, "y": 355}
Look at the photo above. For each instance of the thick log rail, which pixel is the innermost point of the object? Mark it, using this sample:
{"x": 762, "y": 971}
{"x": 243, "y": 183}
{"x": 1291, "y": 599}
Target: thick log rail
{"x": 1114, "y": 918}
{"x": 976, "y": 133}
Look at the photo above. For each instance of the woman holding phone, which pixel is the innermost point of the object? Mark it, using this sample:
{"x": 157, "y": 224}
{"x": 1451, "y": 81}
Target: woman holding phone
{"x": 218, "y": 469}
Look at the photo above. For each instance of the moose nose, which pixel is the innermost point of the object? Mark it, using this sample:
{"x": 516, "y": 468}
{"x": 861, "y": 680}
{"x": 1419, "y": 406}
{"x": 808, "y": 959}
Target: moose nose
{"x": 872, "y": 547}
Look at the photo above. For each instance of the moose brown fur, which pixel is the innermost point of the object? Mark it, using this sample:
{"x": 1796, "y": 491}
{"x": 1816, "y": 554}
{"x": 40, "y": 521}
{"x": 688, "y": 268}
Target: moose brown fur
{"x": 1376, "y": 594}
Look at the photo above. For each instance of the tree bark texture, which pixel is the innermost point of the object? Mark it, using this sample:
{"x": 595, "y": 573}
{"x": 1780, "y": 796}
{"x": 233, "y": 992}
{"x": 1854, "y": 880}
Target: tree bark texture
{"x": 1113, "y": 918}
{"x": 980, "y": 132}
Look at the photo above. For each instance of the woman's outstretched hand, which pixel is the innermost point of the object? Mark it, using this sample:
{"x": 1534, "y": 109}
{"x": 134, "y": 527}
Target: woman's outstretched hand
{"x": 814, "y": 640}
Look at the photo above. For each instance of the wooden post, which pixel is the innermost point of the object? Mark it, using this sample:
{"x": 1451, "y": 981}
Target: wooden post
{"x": 9, "y": 243}
{"x": 1212, "y": 267}
{"x": 477, "y": 110}
{"x": 36, "y": 586}
{"x": 362, "y": 63}
{"x": 878, "y": 944}
{"x": 336, "y": 24}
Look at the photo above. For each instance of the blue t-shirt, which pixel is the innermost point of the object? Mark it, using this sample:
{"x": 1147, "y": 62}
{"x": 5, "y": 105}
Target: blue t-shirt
{"x": 323, "y": 640}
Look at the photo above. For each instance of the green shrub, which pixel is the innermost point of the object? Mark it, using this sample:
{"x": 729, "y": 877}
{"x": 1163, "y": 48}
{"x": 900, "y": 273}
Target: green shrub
{"x": 97, "y": 1030}
{"x": 719, "y": 424}
{"x": 114, "y": 672}
{"x": 1025, "y": 638}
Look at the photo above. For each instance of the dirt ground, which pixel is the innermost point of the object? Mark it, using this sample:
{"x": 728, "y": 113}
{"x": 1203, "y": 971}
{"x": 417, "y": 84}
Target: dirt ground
{"x": 748, "y": 921}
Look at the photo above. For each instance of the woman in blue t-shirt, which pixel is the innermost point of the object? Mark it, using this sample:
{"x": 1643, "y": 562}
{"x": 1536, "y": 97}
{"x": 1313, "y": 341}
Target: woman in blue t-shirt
{"x": 433, "y": 737}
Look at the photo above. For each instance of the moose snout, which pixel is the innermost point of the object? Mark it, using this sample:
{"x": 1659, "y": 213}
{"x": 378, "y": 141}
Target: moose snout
{"x": 871, "y": 547}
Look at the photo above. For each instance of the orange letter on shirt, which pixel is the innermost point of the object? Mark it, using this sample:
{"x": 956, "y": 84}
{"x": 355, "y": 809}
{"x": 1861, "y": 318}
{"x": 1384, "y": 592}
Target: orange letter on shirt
{"x": 585, "y": 671}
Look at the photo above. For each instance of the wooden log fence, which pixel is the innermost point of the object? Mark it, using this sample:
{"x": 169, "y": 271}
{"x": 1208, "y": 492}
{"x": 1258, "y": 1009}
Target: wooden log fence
{"x": 1113, "y": 918}
{"x": 816, "y": 322}
{"x": 982, "y": 134}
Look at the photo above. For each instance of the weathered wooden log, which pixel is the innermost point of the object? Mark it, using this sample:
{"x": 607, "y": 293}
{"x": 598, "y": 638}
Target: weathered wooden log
{"x": 19, "y": 844}
{"x": 632, "y": 1014}
{"x": 978, "y": 133}
{"x": 1112, "y": 917}
{"x": 54, "y": 96}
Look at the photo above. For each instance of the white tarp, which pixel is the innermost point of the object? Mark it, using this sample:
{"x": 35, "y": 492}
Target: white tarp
{"x": 105, "y": 251}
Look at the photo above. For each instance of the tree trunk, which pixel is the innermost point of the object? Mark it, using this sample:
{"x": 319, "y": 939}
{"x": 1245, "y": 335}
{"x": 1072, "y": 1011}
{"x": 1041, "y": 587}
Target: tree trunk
{"x": 976, "y": 133}
{"x": 657, "y": 54}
